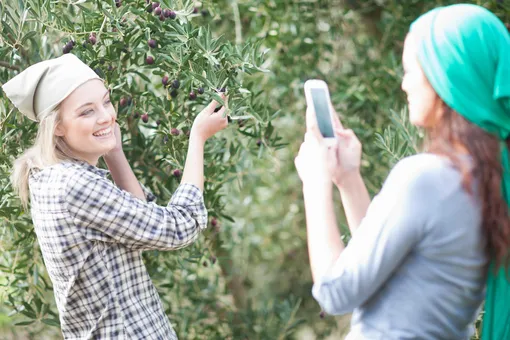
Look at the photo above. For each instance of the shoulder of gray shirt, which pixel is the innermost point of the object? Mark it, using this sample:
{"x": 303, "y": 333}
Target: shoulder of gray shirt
{"x": 428, "y": 174}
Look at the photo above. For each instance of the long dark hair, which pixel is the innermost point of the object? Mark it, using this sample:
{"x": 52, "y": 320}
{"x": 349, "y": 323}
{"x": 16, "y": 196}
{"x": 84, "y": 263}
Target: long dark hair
{"x": 484, "y": 149}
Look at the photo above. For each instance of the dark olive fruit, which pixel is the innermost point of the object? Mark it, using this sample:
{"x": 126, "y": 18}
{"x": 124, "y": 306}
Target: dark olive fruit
{"x": 176, "y": 84}
{"x": 173, "y": 94}
{"x": 214, "y": 222}
{"x": 158, "y": 11}
{"x": 175, "y": 132}
{"x": 164, "y": 81}
{"x": 92, "y": 39}
{"x": 149, "y": 60}
{"x": 172, "y": 15}
{"x": 123, "y": 101}
{"x": 200, "y": 90}
{"x": 152, "y": 43}
{"x": 192, "y": 95}
{"x": 68, "y": 46}
{"x": 177, "y": 173}
{"x": 166, "y": 12}
{"x": 145, "y": 117}
{"x": 259, "y": 142}
{"x": 158, "y": 122}
{"x": 155, "y": 5}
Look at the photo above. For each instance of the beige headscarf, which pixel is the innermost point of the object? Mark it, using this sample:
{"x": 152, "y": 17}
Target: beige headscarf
{"x": 42, "y": 86}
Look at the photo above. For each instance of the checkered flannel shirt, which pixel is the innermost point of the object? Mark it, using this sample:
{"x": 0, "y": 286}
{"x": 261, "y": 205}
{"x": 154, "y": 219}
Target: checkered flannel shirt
{"x": 92, "y": 234}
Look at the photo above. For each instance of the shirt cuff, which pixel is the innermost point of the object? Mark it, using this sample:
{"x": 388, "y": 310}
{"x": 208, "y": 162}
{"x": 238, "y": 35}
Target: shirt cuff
{"x": 190, "y": 197}
{"x": 327, "y": 291}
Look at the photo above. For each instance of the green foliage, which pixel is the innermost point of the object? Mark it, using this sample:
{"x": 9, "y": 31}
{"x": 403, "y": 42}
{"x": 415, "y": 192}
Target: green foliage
{"x": 401, "y": 139}
{"x": 248, "y": 276}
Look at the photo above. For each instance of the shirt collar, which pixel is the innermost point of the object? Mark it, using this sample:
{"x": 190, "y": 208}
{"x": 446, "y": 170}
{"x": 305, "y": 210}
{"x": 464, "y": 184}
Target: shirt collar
{"x": 89, "y": 167}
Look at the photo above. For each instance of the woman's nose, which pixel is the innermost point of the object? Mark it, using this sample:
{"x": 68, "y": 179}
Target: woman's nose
{"x": 403, "y": 85}
{"x": 104, "y": 116}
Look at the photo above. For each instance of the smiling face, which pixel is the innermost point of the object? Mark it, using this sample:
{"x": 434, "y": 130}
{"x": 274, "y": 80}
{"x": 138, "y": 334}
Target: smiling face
{"x": 88, "y": 119}
{"x": 425, "y": 106}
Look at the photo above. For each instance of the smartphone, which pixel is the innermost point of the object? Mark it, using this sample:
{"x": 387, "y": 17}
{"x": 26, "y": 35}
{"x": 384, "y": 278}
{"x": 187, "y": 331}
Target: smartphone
{"x": 317, "y": 95}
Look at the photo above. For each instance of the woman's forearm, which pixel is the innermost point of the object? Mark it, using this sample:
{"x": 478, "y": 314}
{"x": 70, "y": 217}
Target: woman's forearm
{"x": 324, "y": 239}
{"x": 123, "y": 175}
{"x": 355, "y": 199}
{"x": 194, "y": 168}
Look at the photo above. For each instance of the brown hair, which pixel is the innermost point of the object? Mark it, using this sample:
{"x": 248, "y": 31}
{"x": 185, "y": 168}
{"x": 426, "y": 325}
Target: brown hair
{"x": 484, "y": 148}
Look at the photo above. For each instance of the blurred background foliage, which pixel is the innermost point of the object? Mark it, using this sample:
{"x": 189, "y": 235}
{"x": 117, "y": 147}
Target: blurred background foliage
{"x": 248, "y": 276}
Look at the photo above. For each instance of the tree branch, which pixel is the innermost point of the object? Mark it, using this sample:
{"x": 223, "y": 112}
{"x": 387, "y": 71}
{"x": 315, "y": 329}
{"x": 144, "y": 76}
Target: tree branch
{"x": 9, "y": 66}
{"x": 237, "y": 18}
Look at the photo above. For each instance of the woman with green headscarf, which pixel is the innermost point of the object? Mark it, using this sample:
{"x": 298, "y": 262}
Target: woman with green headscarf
{"x": 433, "y": 244}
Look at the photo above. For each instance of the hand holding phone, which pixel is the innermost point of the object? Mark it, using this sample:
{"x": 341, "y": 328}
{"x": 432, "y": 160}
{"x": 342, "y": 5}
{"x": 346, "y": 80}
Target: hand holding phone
{"x": 317, "y": 97}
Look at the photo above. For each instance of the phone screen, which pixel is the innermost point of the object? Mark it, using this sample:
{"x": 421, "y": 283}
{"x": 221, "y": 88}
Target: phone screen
{"x": 320, "y": 103}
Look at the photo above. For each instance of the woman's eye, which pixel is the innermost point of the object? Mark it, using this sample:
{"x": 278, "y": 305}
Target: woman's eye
{"x": 108, "y": 102}
{"x": 86, "y": 112}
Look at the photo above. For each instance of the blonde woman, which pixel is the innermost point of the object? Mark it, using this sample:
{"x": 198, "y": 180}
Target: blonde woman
{"x": 91, "y": 231}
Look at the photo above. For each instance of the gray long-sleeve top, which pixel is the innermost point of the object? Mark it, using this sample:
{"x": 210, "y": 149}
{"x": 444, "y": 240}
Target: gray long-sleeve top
{"x": 416, "y": 267}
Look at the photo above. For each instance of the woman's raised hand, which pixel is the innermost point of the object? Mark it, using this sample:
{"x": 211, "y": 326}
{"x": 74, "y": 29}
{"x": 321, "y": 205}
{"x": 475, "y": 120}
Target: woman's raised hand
{"x": 207, "y": 123}
{"x": 338, "y": 161}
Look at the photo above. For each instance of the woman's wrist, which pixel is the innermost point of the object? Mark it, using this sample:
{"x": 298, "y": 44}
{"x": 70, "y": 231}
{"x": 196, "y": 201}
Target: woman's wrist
{"x": 111, "y": 157}
{"x": 317, "y": 188}
{"x": 196, "y": 138}
{"x": 347, "y": 179}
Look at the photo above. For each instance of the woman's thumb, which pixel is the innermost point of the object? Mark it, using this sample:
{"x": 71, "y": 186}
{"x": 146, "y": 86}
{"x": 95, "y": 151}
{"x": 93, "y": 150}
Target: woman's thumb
{"x": 332, "y": 155}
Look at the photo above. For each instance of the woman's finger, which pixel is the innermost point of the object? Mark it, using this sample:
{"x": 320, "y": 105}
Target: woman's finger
{"x": 345, "y": 133}
{"x": 311, "y": 140}
{"x": 311, "y": 123}
{"x": 336, "y": 121}
{"x": 332, "y": 155}
{"x": 311, "y": 120}
{"x": 211, "y": 106}
{"x": 220, "y": 112}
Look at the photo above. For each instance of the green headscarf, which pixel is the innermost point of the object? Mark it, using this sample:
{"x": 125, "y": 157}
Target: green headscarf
{"x": 464, "y": 51}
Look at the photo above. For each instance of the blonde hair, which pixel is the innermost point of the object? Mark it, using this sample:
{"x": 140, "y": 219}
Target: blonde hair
{"x": 48, "y": 149}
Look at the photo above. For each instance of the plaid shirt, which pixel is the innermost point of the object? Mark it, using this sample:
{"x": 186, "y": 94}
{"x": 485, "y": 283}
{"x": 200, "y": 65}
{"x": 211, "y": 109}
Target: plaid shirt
{"x": 92, "y": 235}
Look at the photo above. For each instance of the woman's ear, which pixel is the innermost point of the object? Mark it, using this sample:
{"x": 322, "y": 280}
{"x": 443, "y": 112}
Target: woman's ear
{"x": 440, "y": 108}
{"x": 59, "y": 130}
